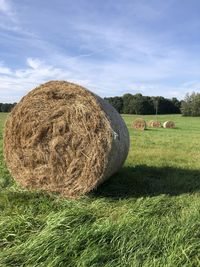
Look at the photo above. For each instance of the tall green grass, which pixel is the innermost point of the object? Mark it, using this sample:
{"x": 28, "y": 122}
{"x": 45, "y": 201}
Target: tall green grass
{"x": 146, "y": 215}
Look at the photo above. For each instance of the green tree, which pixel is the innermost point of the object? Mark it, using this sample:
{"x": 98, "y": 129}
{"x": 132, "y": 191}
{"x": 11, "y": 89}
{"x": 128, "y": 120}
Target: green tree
{"x": 191, "y": 105}
{"x": 116, "y": 102}
{"x": 128, "y": 104}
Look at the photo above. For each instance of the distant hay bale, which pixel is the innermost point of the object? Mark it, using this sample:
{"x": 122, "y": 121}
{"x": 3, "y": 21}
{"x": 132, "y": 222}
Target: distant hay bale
{"x": 169, "y": 124}
{"x": 63, "y": 138}
{"x": 139, "y": 124}
{"x": 154, "y": 124}
{"x": 149, "y": 123}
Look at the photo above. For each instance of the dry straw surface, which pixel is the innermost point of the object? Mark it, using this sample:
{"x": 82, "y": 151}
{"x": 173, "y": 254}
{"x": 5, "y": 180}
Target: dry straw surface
{"x": 63, "y": 138}
{"x": 169, "y": 124}
{"x": 139, "y": 124}
{"x": 154, "y": 124}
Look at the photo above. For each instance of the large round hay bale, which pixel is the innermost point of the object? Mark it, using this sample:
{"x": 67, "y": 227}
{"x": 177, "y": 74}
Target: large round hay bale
{"x": 139, "y": 124}
{"x": 63, "y": 138}
{"x": 169, "y": 124}
{"x": 154, "y": 124}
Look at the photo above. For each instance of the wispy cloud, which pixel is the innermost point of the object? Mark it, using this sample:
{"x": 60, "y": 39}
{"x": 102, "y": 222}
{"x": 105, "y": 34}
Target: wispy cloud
{"x": 7, "y": 10}
{"x": 111, "y": 48}
{"x": 5, "y": 7}
{"x": 16, "y": 83}
{"x": 10, "y": 21}
{"x": 4, "y": 70}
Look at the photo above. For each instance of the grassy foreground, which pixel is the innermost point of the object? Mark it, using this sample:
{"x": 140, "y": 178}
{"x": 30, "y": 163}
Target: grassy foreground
{"x": 146, "y": 215}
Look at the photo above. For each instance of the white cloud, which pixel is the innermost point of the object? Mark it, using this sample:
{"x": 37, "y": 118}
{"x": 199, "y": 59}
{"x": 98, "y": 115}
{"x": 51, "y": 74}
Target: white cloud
{"x": 15, "y": 83}
{"x": 109, "y": 59}
{"x": 5, "y": 7}
{"x": 7, "y": 10}
{"x": 4, "y": 70}
{"x": 34, "y": 63}
{"x": 9, "y": 19}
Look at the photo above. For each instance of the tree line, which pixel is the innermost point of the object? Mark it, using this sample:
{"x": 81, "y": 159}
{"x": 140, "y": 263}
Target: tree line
{"x": 6, "y": 107}
{"x": 145, "y": 105}
{"x": 191, "y": 105}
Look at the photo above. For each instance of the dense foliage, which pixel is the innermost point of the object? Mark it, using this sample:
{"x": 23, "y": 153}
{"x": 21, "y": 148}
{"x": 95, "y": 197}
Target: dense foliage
{"x": 6, "y": 107}
{"x": 191, "y": 105}
{"x": 144, "y": 105}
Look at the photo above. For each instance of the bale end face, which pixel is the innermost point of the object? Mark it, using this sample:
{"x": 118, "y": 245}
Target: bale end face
{"x": 154, "y": 124}
{"x": 62, "y": 138}
{"x": 139, "y": 124}
{"x": 169, "y": 124}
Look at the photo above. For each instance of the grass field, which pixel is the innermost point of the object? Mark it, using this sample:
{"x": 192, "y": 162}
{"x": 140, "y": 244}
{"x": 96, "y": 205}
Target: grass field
{"x": 146, "y": 215}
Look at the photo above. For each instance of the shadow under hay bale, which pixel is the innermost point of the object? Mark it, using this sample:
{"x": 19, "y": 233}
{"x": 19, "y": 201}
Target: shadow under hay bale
{"x": 63, "y": 138}
{"x": 169, "y": 124}
{"x": 149, "y": 181}
{"x": 139, "y": 124}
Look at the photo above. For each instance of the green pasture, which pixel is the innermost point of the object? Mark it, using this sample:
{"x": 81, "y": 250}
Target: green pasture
{"x": 146, "y": 215}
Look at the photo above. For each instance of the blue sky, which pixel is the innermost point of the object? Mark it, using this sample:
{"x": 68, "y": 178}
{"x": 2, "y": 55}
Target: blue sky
{"x": 110, "y": 47}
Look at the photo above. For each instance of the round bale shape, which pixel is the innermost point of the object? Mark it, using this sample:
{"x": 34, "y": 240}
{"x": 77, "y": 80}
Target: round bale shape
{"x": 154, "y": 124}
{"x": 169, "y": 124}
{"x": 63, "y": 138}
{"x": 149, "y": 123}
{"x": 139, "y": 124}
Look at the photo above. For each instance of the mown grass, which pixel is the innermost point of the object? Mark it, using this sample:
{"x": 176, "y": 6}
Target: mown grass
{"x": 146, "y": 215}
